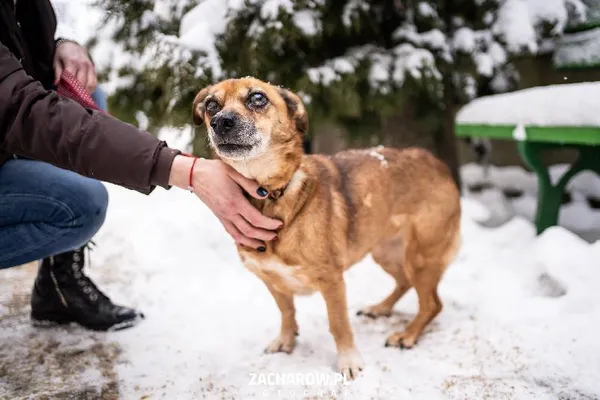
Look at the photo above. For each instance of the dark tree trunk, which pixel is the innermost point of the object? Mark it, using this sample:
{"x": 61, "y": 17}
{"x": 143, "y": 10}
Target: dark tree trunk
{"x": 445, "y": 139}
{"x": 307, "y": 145}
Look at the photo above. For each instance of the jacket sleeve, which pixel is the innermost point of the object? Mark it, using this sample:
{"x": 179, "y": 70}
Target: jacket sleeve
{"x": 38, "y": 124}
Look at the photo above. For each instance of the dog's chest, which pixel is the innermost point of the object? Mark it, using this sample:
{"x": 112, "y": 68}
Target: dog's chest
{"x": 282, "y": 277}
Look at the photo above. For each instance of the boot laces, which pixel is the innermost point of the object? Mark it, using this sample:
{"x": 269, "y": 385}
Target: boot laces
{"x": 88, "y": 287}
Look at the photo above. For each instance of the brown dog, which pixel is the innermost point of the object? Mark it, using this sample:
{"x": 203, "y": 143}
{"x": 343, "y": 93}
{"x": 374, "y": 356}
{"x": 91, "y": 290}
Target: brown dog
{"x": 402, "y": 206}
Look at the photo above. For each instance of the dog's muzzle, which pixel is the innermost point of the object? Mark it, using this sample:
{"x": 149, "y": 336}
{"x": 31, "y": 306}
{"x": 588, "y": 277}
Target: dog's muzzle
{"x": 233, "y": 135}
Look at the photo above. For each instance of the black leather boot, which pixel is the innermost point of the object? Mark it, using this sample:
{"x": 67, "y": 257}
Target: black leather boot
{"x": 62, "y": 294}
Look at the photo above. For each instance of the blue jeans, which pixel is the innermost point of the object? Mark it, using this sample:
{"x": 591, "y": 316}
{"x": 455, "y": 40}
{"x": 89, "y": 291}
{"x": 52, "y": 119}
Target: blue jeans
{"x": 45, "y": 210}
{"x": 100, "y": 98}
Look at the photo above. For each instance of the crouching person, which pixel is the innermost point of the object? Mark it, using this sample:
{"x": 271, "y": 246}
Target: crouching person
{"x": 53, "y": 155}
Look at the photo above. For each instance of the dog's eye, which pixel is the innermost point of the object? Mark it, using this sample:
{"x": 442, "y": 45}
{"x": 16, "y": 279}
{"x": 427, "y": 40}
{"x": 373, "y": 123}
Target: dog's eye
{"x": 257, "y": 100}
{"x": 212, "y": 107}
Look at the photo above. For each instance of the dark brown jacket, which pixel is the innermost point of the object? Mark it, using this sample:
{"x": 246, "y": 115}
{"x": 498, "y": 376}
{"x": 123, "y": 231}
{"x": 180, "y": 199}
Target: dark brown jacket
{"x": 36, "y": 123}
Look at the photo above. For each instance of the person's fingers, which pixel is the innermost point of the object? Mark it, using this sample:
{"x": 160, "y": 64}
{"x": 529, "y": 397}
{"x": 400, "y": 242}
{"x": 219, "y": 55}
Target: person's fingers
{"x": 70, "y": 66}
{"x": 250, "y": 186}
{"x": 82, "y": 75}
{"x": 58, "y": 69}
{"x": 250, "y": 231}
{"x": 92, "y": 81}
{"x": 239, "y": 237}
{"x": 255, "y": 217}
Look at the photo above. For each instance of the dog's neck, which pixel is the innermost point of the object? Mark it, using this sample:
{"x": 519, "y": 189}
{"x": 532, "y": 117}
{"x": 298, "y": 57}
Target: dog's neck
{"x": 282, "y": 176}
{"x": 272, "y": 171}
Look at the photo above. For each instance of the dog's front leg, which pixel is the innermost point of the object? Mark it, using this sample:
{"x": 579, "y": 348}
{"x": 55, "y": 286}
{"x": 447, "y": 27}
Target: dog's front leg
{"x": 286, "y": 341}
{"x": 350, "y": 362}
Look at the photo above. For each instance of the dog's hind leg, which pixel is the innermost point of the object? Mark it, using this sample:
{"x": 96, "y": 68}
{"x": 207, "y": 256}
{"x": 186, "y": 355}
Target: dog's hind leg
{"x": 425, "y": 282}
{"x": 424, "y": 271}
{"x": 389, "y": 255}
{"x": 286, "y": 341}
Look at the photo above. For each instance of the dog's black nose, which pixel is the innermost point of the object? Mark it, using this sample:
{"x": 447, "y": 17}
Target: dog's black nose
{"x": 222, "y": 123}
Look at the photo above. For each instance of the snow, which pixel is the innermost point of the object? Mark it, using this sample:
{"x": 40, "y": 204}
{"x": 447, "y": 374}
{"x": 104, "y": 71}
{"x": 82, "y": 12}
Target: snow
{"x": 334, "y": 68}
{"x": 201, "y": 26}
{"x": 498, "y": 54}
{"x": 80, "y": 20}
{"x": 470, "y": 86}
{"x": 413, "y": 61}
{"x": 351, "y": 8}
{"x": 573, "y": 105}
{"x": 76, "y": 19}
{"x": 308, "y": 21}
{"x": 514, "y": 25}
{"x": 375, "y": 153}
{"x": 576, "y": 215}
{"x": 178, "y": 138}
{"x": 324, "y": 74}
{"x": 271, "y": 8}
{"x": 380, "y": 69}
{"x": 464, "y": 40}
{"x": 433, "y": 39}
{"x": 426, "y": 9}
{"x": 519, "y": 133}
{"x": 148, "y": 19}
{"x": 549, "y": 10}
{"x": 485, "y": 64}
{"x": 578, "y": 49}
{"x": 519, "y": 319}
{"x": 519, "y": 20}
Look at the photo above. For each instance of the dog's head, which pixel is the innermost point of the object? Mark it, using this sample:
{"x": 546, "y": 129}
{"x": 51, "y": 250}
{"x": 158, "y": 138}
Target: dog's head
{"x": 247, "y": 118}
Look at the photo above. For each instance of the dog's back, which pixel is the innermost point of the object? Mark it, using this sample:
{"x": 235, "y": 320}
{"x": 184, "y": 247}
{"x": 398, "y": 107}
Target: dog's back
{"x": 381, "y": 192}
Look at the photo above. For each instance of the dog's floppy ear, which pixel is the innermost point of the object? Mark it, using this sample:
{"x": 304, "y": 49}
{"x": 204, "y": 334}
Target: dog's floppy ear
{"x": 296, "y": 109}
{"x": 198, "y": 107}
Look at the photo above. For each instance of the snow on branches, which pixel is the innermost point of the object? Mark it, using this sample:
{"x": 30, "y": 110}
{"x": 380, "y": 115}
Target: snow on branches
{"x": 312, "y": 45}
{"x": 422, "y": 41}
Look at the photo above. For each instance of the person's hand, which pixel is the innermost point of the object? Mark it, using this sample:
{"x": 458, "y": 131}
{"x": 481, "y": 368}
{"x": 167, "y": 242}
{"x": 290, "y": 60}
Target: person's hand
{"x": 220, "y": 188}
{"x": 74, "y": 58}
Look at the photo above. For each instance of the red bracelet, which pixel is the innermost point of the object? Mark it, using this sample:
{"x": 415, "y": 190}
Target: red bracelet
{"x": 190, "y": 183}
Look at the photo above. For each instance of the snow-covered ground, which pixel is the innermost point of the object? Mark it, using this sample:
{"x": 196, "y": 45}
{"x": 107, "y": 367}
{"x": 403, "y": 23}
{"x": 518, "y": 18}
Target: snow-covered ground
{"x": 577, "y": 215}
{"x": 519, "y": 321}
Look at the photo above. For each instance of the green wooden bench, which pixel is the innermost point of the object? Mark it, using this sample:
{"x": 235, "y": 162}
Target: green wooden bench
{"x": 538, "y": 119}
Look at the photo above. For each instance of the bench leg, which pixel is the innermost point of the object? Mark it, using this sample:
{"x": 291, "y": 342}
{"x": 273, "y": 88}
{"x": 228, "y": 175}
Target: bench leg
{"x": 550, "y": 196}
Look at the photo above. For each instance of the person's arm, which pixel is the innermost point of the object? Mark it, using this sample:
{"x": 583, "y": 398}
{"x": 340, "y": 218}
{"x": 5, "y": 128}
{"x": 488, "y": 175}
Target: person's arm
{"x": 38, "y": 124}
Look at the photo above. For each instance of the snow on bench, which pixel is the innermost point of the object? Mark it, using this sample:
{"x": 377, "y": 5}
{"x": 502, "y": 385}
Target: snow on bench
{"x": 567, "y": 113}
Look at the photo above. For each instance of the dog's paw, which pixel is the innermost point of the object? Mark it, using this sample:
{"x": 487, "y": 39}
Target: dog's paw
{"x": 283, "y": 344}
{"x": 350, "y": 364}
{"x": 375, "y": 311}
{"x": 403, "y": 340}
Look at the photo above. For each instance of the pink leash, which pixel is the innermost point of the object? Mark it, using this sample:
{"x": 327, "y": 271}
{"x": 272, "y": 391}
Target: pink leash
{"x": 70, "y": 87}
